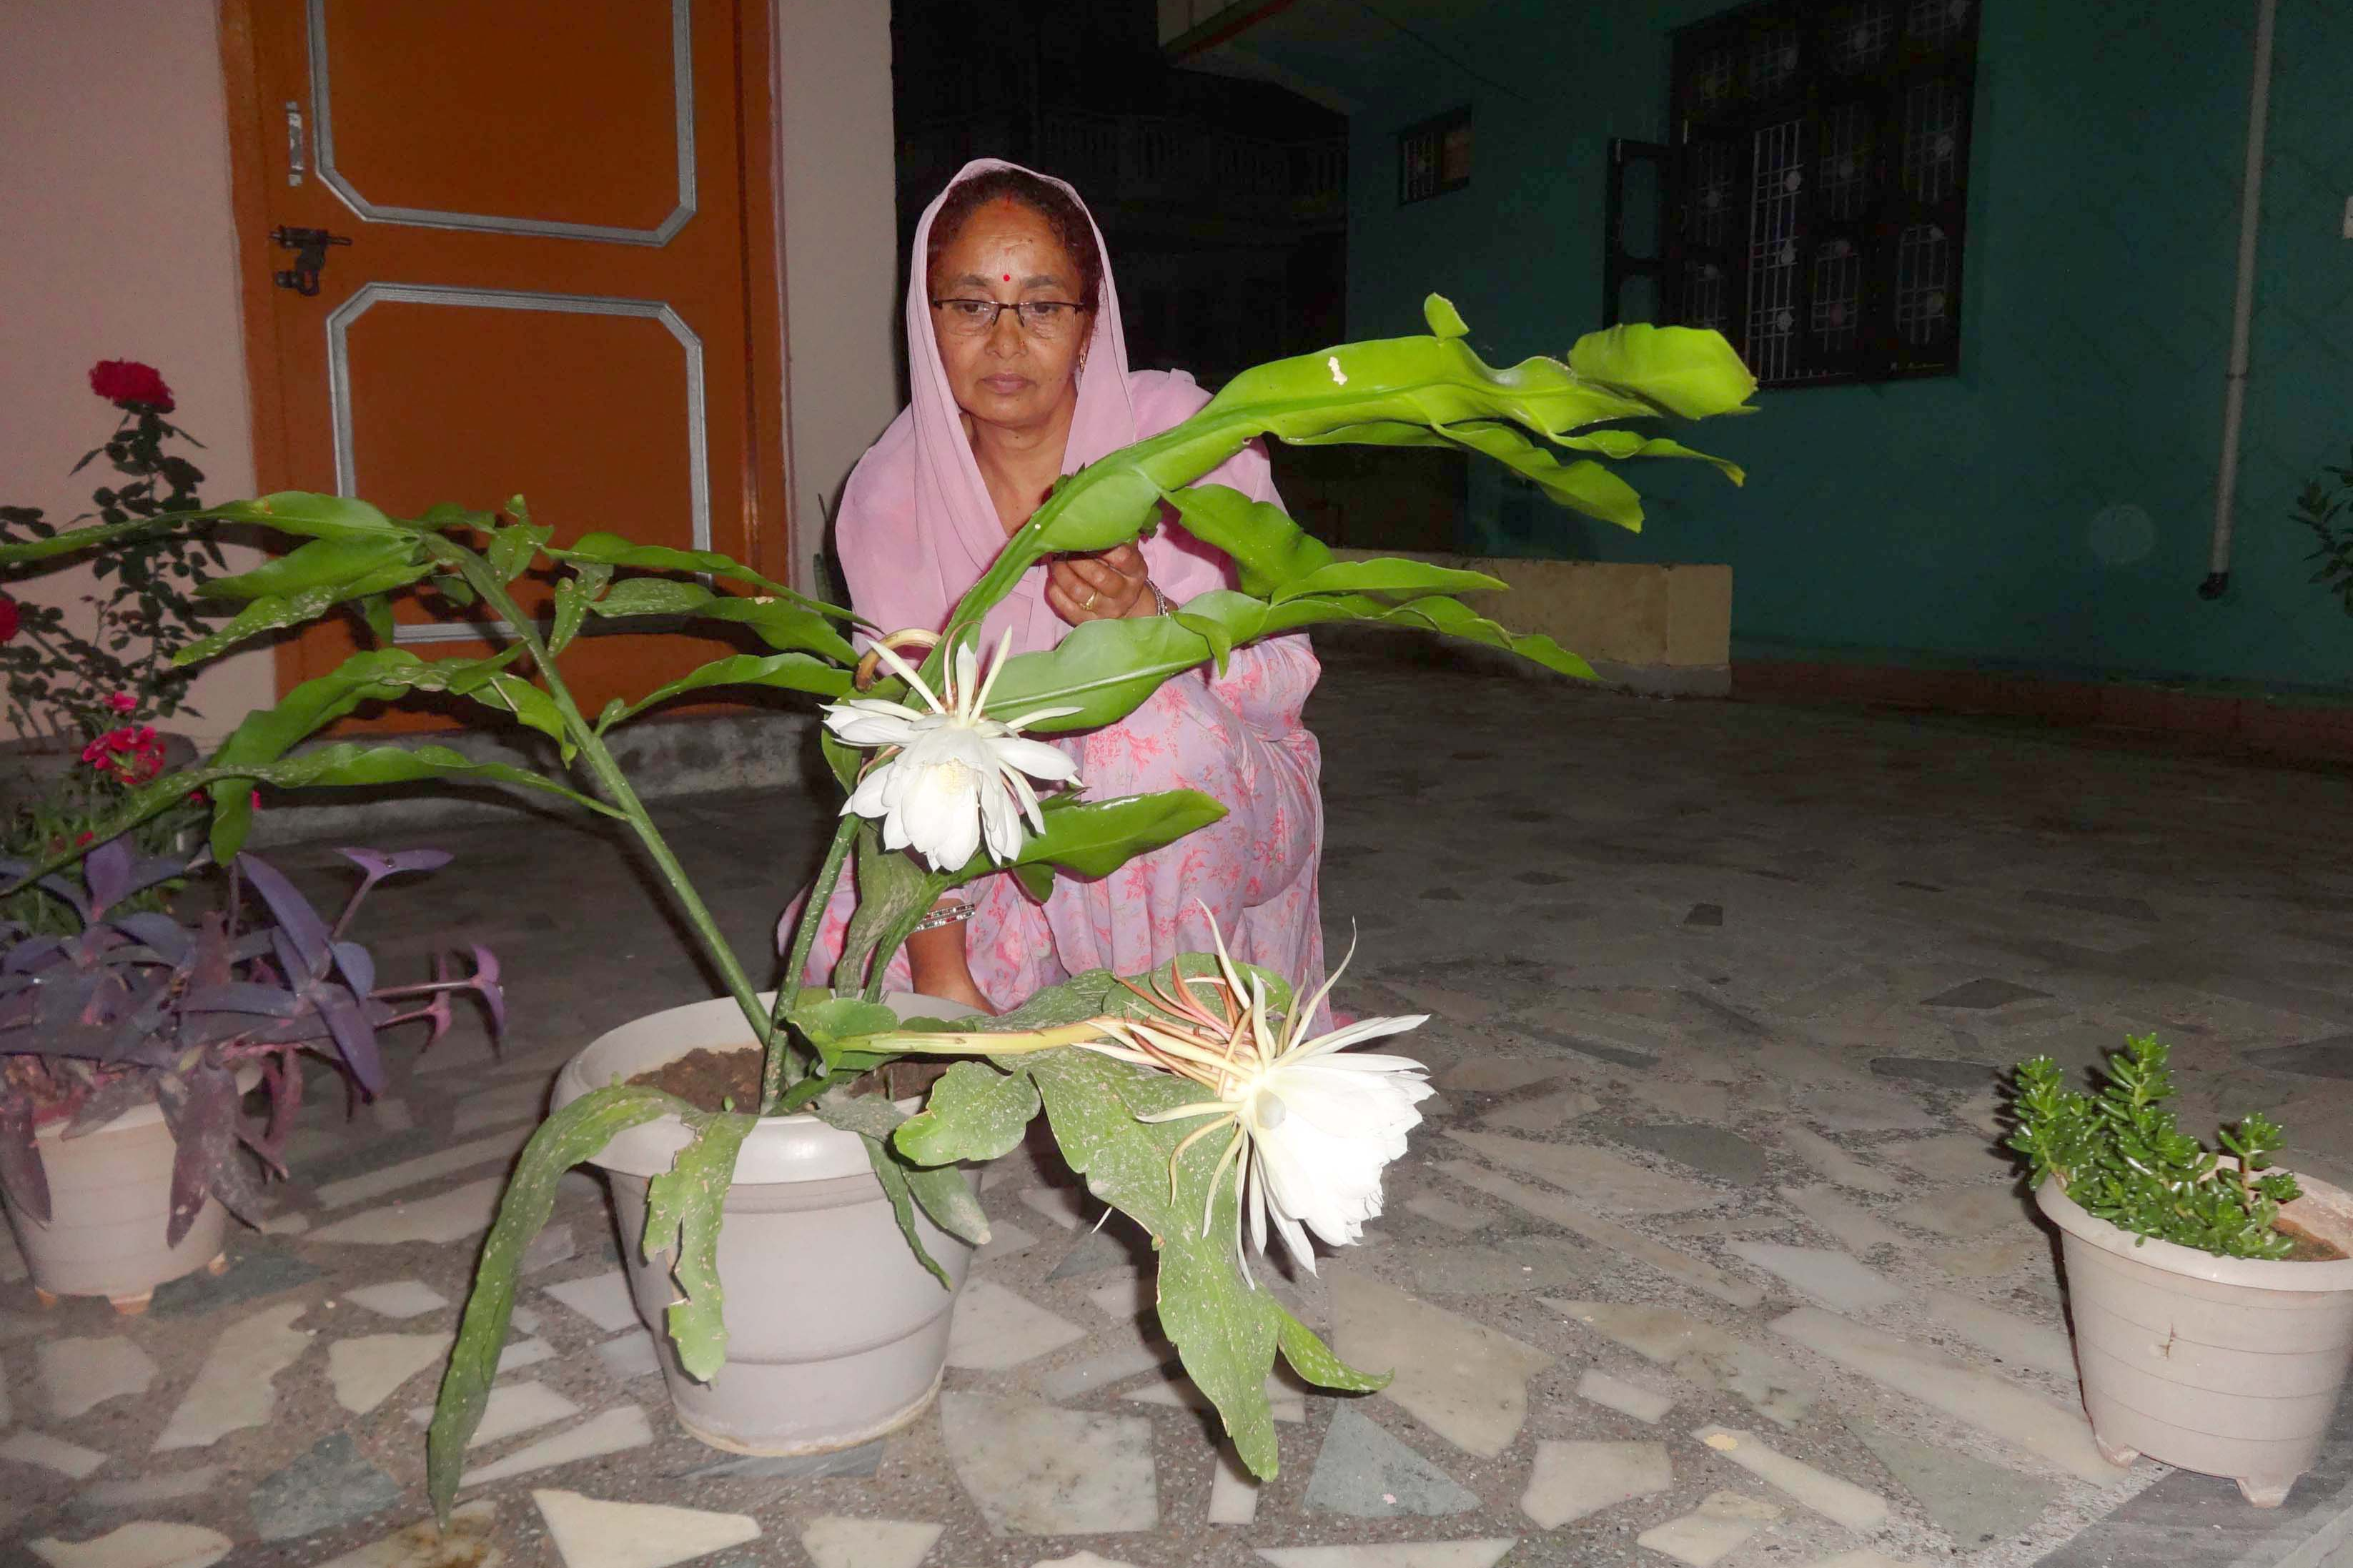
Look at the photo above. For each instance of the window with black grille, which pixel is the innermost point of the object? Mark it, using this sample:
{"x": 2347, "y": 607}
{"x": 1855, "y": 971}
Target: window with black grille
{"x": 1434, "y": 156}
{"x": 1810, "y": 200}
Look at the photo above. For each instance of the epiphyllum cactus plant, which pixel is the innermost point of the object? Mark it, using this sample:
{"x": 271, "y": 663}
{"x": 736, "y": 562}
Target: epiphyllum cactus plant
{"x": 136, "y": 1006}
{"x": 1120, "y": 1122}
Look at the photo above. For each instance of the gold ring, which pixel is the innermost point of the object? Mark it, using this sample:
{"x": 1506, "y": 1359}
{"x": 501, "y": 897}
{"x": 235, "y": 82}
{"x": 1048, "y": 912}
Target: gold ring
{"x": 1088, "y": 601}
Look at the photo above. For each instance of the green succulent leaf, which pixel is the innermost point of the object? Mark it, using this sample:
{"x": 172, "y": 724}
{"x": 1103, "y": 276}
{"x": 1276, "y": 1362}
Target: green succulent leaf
{"x": 321, "y": 563}
{"x": 778, "y": 671}
{"x": 577, "y": 1132}
{"x": 1269, "y": 550}
{"x": 974, "y": 1112}
{"x": 612, "y": 550}
{"x": 684, "y": 1206}
{"x": 1688, "y": 373}
{"x": 573, "y": 595}
{"x": 1096, "y": 838}
{"x": 781, "y": 624}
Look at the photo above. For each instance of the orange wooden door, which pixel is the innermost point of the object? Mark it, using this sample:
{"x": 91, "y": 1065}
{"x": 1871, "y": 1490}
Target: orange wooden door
{"x": 559, "y": 280}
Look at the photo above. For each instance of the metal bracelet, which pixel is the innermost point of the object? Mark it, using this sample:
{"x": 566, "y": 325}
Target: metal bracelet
{"x": 1159, "y": 599}
{"x": 946, "y": 915}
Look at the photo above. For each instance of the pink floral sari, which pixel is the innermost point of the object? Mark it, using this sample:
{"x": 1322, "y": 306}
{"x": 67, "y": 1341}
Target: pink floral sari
{"x": 916, "y": 529}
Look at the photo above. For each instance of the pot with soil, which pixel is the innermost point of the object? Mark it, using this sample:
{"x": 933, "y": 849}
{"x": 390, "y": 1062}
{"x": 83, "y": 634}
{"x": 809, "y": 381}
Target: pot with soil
{"x": 111, "y": 1210}
{"x": 818, "y": 1358}
{"x": 2227, "y": 1366}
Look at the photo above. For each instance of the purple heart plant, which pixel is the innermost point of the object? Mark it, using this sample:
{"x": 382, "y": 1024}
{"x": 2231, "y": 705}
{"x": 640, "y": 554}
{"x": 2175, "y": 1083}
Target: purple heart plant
{"x": 135, "y": 1005}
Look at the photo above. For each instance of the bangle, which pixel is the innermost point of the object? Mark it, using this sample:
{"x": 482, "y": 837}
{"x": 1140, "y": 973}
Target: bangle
{"x": 1159, "y": 599}
{"x": 945, "y": 915}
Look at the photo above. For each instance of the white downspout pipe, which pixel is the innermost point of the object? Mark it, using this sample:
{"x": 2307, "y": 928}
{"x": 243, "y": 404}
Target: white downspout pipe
{"x": 2243, "y": 305}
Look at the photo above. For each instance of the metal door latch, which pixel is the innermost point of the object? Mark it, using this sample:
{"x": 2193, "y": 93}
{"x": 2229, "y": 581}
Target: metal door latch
{"x": 310, "y": 249}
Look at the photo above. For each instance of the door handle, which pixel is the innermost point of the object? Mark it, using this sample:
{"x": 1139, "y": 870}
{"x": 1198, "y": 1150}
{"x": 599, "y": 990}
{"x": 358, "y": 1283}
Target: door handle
{"x": 297, "y": 153}
{"x": 310, "y": 249}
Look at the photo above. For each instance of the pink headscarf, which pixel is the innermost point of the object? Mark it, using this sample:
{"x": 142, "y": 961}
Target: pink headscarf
{"x": 916, "y": 526}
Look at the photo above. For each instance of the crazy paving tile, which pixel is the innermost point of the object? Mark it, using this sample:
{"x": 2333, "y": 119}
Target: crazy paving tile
{"x": 602, "y": 1299}
{"x": 1364, "y": 1472}
{"x": 1701, "y": 1354}
{"x": 497, "y": 1106}
{"x": 523, "y": 1353}
{"x": 1233, "y": 1491}
{"x": 139, "y": 1492}
{"x": 1626, "y": 1398}
{"x": 1854, "y": 1227}
{"x": 1544, "y": 1114}
{"x": 1710, "y": 1531}
{"x": 996, "y": 1328}
{"x": 548, "y": 1249}
{"x": 1570, "y": 1480}
{"x": 372, "y": 1185}
{"x": 80, "y": 1375}
{"x": 2018, "y": 1341}
{"x": 610, "y": 1431}
{"x": 860, "y": 1462}
{"x": 365, "y": 1371}
{"x": 633, "y": 1355}
{"x": 1711, "y": 1151}
{"x": 1461, "y": 1379}
{"x": 1068, "y": 1207}
{"x": 1442, "y": 1210}
{"x": 834, "y": 1541}
{"x": 68, "y": 1459}
{"x": 1483, "y": 1553}
{"x": 1951, "y": 1157}
{"x": 2057, "y": 1435}
{"x": 145, "y": 1543}
{"x": 1114, "y": 1364}
{"x": 397, "y": 1298}
{"x": 466, "y": 1544}
{"x": 1839, "y": 1500}
{"x": 1555, "y": 1209}
{"x": 330, "y": 1484}
{"x": 1284, "y": 1403}
{"x": 589, "y": 1532}
{"x": 1975, "y": 1502}
{"x": 1833, "y": 1279}
{"x": 1965, "y": 1214}
{"x": 1495, "y": 1268}
{"x": 1835, "y": 1162}
{"x": 235, "y": 1387}
{"x": 1032, "y": 1470}
{"x": 1006, "y": 1239}
{"x": 441, "y": 1219}
{"x": 1596, "y": 1175}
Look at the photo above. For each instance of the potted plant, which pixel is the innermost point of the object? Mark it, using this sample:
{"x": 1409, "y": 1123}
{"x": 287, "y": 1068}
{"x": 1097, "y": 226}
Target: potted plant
{"x": 93, "y": 690}
{"x": 127, "y": 1046}
{"x": 1157, "y": 1088}
{"x": 2211, "y": 1294}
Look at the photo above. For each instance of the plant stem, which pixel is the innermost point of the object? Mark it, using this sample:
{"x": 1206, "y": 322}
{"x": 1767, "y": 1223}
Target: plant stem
{"x": 772, "y": 1070}
{"x": 608, "y": 773}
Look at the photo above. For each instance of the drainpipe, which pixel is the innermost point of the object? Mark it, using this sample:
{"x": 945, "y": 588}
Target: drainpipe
{"x": 2243, "y": 305}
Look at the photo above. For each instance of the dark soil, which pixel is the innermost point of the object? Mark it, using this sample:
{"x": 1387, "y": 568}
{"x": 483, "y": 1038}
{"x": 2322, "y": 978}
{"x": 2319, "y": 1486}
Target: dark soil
{"x": 2308, "y": 1247}
{"x": 704, "y": 1078}
{"x": 709, "y": 1079}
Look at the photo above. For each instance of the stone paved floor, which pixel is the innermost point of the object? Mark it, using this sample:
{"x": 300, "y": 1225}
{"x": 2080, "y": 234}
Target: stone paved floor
{"x": 1718, "y": 993}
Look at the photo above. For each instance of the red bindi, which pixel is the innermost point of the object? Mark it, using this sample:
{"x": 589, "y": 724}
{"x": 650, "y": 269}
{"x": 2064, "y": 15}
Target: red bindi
{"x": 1009, "y": 277}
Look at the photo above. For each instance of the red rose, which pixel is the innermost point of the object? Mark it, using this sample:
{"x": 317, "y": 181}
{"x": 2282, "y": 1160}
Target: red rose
{"x": 9, "y": 617}
{"x": 122, "y": 381}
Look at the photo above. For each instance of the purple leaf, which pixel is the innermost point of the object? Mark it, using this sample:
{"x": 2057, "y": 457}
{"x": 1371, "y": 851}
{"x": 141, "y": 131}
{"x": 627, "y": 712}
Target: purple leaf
{"x": 378, "y": 865}
{"x": 296, "y": 972}
{"x": 201, "y": 1109}
{"x": 295, "y": 916}
{"x": 106, "y": 870}
{"x": 358, "y": 968}
{"x": 71, "y": 894}
{"x": 109, "y": 1100}
{"x": 243, "y": 996}
{"x": 30, "y": 954}
{"x": 486, "y": 981}
{"x": 354, "y": 1036}
{"x": 21, "y": 1175}
{"x": 170, "y": 939}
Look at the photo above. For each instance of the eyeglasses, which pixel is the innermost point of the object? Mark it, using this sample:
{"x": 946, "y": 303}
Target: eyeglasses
{"x": 1042, "y": 319}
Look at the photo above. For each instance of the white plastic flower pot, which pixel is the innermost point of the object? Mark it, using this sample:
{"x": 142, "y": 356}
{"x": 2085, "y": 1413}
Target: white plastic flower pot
{"x": 109, "y": 1204}
{"x": 2227, "y": 1366}
{"x": 835, "y": 1334}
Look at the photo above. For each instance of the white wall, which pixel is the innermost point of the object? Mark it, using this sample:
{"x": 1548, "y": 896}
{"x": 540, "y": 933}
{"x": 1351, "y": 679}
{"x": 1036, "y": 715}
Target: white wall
{"x": 838, "y": 167}
{"x": 114, "y": 190}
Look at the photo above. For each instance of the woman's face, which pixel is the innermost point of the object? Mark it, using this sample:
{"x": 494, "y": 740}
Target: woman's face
{"x": 1009, "y": 375}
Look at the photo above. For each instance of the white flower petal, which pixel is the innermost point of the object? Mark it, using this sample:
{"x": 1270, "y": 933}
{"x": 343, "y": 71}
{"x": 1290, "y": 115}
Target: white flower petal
{"x": 1036, "y": 758}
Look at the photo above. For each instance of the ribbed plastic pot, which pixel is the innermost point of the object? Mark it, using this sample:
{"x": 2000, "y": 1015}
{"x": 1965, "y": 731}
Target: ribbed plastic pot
{"x": 2227, "y": 1366}
{"x": 110, "y": 1204}
{"x": 835, "y": 1334}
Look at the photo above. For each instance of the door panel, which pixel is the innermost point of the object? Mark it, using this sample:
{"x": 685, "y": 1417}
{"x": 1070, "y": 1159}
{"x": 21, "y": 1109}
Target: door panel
{"x": 549, "y": 289}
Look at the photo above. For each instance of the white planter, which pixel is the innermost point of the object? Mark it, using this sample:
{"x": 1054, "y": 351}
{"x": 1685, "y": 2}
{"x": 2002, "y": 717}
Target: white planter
{"x": 835, "y": 1334}
{"x": 109, "y": 1204}
{"x": 2227, "y": 1366}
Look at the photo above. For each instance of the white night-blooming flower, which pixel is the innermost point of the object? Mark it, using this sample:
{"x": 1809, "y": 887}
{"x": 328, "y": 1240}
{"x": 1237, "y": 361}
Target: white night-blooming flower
{"x": 1313, "y": 1124}
{"x": 953, "y": 778}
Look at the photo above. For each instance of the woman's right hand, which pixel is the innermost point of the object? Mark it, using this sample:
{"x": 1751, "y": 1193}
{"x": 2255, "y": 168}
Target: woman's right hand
{"x": 937, "y": 966}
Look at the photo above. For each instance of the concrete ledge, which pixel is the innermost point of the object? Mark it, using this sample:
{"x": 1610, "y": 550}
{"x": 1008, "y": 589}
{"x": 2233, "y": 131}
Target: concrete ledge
{"x": 1662, "y": 631}
{"x": 2268, "y": 726}
{"x": 665, "y": 758}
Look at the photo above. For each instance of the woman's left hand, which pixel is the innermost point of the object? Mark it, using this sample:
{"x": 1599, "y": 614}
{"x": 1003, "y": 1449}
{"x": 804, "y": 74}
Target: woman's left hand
{"x": 1113, "y": 585}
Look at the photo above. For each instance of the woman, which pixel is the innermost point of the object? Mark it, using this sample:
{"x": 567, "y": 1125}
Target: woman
{"x": 1020, "y": 374}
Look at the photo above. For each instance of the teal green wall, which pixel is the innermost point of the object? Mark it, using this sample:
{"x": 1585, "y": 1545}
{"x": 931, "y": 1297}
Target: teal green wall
{"x": 1984, "y": 519}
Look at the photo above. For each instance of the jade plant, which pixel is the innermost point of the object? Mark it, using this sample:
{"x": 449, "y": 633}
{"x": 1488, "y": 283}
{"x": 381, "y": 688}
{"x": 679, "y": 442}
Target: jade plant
{"x": 2119, "y": 1156}
{"x": 1189, "y": 1099}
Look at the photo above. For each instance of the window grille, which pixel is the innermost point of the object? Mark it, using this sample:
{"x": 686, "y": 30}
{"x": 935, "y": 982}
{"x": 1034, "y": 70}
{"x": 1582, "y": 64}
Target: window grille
{"x": 1434, "y": 156}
